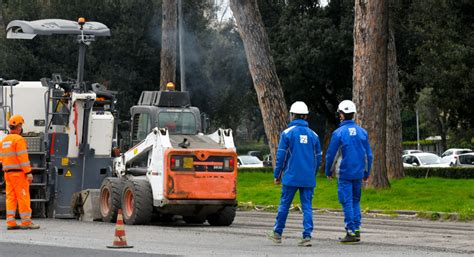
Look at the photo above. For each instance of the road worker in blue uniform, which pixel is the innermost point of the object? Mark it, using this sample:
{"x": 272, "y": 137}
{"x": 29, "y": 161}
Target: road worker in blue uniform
{"x": 297, "y": 162}
{"x": 350, "y": 157}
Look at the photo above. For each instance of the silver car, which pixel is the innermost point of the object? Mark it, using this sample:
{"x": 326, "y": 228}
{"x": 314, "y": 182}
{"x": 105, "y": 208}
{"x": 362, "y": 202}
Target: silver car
{"x": 466, "y": 159}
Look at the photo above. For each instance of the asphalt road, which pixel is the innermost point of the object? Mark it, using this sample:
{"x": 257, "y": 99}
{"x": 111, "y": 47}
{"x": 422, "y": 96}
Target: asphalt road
{"x": 380, "y": 236}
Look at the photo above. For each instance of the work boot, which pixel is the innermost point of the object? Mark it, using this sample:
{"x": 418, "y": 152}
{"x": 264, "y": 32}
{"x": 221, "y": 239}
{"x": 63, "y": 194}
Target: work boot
{"x": 305, "y": 241}
{"x": 349, "y": 239}
{"x": 274, "y": 236}
{"x": 13, "y": 227}
{"x": 30, "y": 226}
{"x": 357, "y": 233}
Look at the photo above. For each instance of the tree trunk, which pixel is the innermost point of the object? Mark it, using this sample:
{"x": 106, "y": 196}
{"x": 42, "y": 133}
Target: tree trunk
{"x": 262, "y": 68}
{"x": 441, "y": 122}
{"x": 329, "y": 128}
{"x": 168, "y": 43}
{"x": 370, "y": 80}
{"x": 2, "y": 21}
{"x": 394, "y": 120}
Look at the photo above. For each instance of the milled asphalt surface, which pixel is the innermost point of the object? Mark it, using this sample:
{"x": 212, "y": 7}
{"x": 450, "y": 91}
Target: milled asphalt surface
{"x": 380, "y": 237}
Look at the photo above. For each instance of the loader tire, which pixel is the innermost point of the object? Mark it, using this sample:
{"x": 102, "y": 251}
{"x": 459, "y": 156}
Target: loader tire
{"x": 137, "y": 202}
{"x": 225, "y": 217}
{"x": 110, "y": 198}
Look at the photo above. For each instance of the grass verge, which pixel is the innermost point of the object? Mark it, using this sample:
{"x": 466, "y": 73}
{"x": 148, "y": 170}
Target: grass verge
{"x": 433, "y": 198}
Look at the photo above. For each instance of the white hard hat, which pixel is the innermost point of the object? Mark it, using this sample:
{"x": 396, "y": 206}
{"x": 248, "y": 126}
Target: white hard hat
{"x": 299, "y": 107}
{"x": 347, "y": 106}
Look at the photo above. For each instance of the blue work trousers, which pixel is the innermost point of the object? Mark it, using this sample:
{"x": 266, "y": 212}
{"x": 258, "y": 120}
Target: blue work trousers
{"x": 349, "y": 192}
{"x": 306, "y": 197}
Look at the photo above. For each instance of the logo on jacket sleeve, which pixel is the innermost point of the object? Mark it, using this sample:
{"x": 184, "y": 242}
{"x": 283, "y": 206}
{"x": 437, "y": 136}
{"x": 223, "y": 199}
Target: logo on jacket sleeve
{"x": 303, "y": 139}
{"x": 352, "y": 131}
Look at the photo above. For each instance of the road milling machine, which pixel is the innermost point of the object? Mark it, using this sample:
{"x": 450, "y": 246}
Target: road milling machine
{"x": 70, "y": 126}
{"x": 173, "y": 167}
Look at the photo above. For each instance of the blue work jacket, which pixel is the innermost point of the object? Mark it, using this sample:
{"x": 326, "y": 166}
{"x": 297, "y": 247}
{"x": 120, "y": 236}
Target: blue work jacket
{"x": 349, "y": 153}
{"x": 298, "y": 156}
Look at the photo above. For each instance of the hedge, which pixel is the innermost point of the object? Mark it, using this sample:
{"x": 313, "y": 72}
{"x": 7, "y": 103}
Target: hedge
{"x": 264, "y": 169}
{"x": 422, "y": 142}
{"x": 451, "y": 172}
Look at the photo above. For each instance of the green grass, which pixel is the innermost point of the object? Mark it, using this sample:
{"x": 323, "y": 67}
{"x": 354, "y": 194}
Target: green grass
{"x": 424, "y": 195}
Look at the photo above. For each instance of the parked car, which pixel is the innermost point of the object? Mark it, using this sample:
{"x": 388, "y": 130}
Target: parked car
{"x": 248, "y": 161}
{"x": 410, "y": 151}
{"x": 423, "y": 160}
{"x": 450, "y": 156}
{"x": 465, "y": 159}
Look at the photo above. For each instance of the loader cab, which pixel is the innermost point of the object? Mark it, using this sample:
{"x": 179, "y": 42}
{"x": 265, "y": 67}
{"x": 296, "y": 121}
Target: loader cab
{"x": 164, "y": 109}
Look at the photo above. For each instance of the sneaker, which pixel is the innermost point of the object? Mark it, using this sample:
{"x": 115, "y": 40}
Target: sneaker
{"x": 30, "y": 226}
{"x": 357, "y": 234}
{"x": 274, "y": 236}
{"x": 349, "y": 239}
{"x": 306, "y": 242}
{"x": 13, "y": 227}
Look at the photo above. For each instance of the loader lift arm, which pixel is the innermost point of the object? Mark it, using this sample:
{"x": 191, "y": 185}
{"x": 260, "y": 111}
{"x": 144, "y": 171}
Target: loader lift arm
{"x": 157, "y": 139}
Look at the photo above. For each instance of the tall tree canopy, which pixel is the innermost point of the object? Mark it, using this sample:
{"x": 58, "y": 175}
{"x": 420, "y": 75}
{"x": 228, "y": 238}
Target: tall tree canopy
{"x": 312, "y": 47}
{"x": 435, "y": 43}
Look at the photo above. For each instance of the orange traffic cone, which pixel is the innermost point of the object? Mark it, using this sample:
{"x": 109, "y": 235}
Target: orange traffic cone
{"x": 120, "y": 240}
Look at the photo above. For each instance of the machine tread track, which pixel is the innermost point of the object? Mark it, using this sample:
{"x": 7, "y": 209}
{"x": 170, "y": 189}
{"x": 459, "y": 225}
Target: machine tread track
{"x": 137, "y": 202}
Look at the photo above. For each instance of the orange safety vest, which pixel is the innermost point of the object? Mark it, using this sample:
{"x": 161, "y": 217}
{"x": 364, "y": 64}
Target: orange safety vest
{"x": 14, "y": 154}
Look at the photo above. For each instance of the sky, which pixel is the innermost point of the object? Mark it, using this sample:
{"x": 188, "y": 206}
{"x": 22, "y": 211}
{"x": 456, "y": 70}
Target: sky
{"x": 225, "y": 13}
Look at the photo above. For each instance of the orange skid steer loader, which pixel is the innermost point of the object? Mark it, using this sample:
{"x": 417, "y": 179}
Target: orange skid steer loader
{"x": 175, "y": 169}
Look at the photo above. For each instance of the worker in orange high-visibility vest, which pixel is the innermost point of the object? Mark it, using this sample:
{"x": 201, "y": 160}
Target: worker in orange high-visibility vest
{"x": 16, "y": 165}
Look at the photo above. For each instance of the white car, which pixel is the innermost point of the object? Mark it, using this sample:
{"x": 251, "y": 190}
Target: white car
{"x": 423, "y": 160}
{"x": 450, "y": 156}
{"x": 411, "y": 151}
{"x": 248, "y": 161}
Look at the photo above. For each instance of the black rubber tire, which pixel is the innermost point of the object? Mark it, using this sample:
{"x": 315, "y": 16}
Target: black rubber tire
{"x": 194, "y": 219}
{"x": 141, "y": 207}
{"x": 50, "y": 209}
{"x": 224, "y": 217}
{"x": 111, "y": 189}
{"x": 38, "y": 210}
{"x": 3, "y": 206}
